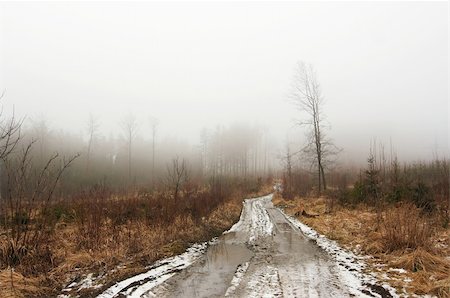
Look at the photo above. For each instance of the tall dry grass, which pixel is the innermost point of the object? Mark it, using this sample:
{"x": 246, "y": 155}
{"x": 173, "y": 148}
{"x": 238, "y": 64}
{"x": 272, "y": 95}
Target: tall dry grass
{"x": 405, "y": 227}
{"x": 98, "y": 231}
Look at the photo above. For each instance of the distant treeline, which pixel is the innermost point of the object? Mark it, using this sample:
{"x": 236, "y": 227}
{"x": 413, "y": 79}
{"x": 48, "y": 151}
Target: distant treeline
{"x": 131, "y": 159}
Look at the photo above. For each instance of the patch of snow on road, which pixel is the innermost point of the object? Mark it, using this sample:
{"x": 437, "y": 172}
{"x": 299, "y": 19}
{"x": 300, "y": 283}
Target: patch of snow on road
{"x": 238, "y": 226}
{"x": 254, "y": 220}
{"x": 240, "y": 272}
{"x": 265, "y": 282}
{"x": 350, "y": 266}
{"x": 261, "y": 225}
{"x": 139, "y": 284}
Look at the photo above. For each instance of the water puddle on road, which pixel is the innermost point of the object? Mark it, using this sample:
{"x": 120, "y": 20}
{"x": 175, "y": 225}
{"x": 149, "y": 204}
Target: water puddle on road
{"x": 224, "y": 255}
{"x": 212, "y": 276}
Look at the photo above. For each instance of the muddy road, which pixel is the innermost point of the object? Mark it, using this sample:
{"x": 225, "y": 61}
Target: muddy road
{"x": 263, "y": 255}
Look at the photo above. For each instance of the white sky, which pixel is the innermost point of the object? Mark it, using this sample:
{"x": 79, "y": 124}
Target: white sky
{"x": 383, "y": 67}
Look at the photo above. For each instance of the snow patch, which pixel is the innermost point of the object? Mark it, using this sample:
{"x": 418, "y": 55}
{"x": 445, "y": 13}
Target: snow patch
{"x": 265, "y": 282}
{"x": 162, "y": 270}
{"x": 261, "y": 225}
{"x": 254, "y": 220}
{"x": 240, "y": 272}
{"x": 398, "y": 270}
{"x": 237, "y": 226}
{"x": 90, "y": 281}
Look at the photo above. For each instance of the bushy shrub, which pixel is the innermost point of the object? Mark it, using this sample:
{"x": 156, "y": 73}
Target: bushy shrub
{"x": 422, "y": 198}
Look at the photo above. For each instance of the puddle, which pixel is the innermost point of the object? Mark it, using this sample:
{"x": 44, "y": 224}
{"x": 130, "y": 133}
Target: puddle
{"x": 225, "y": 254}
{"x": 212, "y": 276}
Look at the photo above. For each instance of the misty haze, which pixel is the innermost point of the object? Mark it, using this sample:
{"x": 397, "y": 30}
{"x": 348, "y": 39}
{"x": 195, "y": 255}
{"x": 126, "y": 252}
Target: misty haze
{"x": 214, "y": 149}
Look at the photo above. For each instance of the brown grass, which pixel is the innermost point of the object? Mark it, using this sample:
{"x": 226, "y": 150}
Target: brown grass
{"x": 14, "y": 284}
{"x": 404, "y": 227}
{"x": 100, "y": 231}
{"x": 400, "y": 238}
{"x": 420, "y": 260}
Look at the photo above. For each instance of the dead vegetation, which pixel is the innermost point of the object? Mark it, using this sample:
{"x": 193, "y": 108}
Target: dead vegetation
{"x": 404, "y": 227}
{"x": 398, "y": 237}
{"x": 397, "y": 213}
{"x": 64, "y": 218}
{"x": 114, "y": 236}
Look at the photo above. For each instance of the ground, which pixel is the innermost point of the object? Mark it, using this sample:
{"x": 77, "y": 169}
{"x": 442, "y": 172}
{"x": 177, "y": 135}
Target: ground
{"x": 266, "y": 254}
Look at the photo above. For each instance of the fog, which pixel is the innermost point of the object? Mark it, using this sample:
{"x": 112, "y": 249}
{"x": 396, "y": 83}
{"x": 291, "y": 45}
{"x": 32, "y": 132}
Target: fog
{"x": 383, "y": 69}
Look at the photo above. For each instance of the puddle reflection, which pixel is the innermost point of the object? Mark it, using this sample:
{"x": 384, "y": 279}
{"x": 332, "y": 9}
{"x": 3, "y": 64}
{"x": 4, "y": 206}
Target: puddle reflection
{"x": 212, "y": 277}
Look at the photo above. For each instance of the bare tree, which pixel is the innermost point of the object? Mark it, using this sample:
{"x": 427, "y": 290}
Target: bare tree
{"x": 204, "y": 150}
{"x": 177, "y": 176}
{"x": 154, "y": 124}
{"x": 307, "y": 97}
{"x": 129, "y": 126}
{"x": 9, "y": 135}
{"x": 42, "y": 132}
{"x": 92, "y": 128}
{"x": 29, "y": 192}
{"x": 287, "y": 163}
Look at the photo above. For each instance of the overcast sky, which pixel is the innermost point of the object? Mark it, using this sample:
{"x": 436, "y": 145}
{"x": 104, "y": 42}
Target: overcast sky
{"x": 383, "y": 67}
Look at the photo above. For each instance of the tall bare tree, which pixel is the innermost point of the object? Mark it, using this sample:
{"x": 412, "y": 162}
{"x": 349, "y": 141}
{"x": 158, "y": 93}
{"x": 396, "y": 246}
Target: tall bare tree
{"x": 129, "y": 126}
{"x": 92, "y": 128}
{"x": 307, "y": 97}
{"x": 154, "y": 122}
{"x": 204, "y": 150}
{"x": 10, "y": 135}
{"x": 287, "y": 163}
{"x": 42, "y": 134}
{"x": 177, "y": 176}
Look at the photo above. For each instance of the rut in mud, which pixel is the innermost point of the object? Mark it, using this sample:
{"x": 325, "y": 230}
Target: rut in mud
{"x": 265, "y": 254}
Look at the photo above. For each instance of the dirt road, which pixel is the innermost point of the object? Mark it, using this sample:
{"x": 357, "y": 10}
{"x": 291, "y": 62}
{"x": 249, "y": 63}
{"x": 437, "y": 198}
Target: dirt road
{"x": 263, "y": 255}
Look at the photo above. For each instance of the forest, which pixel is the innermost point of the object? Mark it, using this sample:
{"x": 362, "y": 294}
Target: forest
{"x": 74, "y": 204}
{"x": 224, "y": 149}
{"x": 93, "y": 203}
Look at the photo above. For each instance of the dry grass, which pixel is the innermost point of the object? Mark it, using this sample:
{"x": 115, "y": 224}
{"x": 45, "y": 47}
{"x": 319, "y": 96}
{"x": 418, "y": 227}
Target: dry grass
{"x": 14, "y": 284}
{"x": 404, "y": 227}
{"x": 420, "y": 260}
{"x": 400, "y": 238}
{"x": 115, "y": 238}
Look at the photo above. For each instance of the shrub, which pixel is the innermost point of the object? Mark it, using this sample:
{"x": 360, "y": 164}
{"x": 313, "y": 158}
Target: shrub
{"x": 422, "y": 198}
{"x": 405, "y": 227}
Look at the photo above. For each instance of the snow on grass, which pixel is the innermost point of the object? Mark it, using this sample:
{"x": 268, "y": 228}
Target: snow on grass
{"x": 398, "y": 270}
{"x": 350, "y": 265}
{"x": 90, "y": 281}
{"x": 162, "y": 270}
